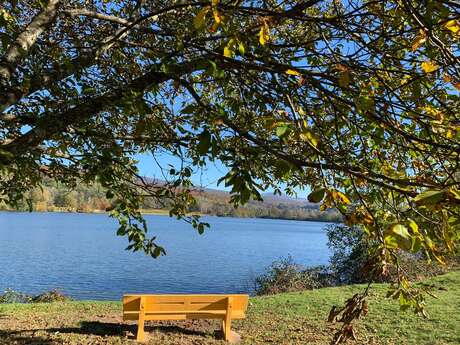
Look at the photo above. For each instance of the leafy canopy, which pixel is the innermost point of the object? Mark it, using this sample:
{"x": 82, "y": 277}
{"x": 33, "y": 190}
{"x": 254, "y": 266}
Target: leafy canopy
{"x": 357, "y": 100}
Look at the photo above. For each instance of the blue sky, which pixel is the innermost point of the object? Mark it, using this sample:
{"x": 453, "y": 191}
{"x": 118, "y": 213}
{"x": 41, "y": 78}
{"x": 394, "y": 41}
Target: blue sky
{"x": 206, "y": 178}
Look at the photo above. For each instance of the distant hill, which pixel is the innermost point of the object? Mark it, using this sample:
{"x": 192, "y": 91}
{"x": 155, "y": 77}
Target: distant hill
{"x": 55, "y": 197}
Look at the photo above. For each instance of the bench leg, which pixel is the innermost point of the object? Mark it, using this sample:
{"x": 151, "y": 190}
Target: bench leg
{"x": 140, "y": 326}
{"x": 140, "y": 330}
{"x": 227, "y": 321}
{"x": 226, "y": 329}
{"x": 231, "y": 336}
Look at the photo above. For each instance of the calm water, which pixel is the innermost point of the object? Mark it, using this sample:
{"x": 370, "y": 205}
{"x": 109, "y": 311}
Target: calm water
{"x": 80, "y": 254}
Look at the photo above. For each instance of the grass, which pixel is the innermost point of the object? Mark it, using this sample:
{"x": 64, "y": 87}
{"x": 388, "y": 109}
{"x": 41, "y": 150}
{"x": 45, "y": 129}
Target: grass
{"x": 294, "y": 318}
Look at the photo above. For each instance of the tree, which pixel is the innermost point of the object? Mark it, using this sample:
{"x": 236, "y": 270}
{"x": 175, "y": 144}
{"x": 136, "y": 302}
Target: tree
{"x": 356, "y": 99}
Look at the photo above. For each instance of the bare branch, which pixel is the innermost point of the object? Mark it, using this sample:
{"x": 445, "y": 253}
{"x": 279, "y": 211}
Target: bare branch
{"x": 75, "y": 12}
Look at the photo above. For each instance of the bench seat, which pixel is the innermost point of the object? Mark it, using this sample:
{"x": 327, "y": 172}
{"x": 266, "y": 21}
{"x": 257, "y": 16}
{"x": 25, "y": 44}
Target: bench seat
{"x": 185, "y": 307}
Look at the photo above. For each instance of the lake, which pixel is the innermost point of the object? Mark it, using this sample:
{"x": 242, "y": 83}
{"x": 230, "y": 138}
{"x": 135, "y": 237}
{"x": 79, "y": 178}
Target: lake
{"x": 81, "y": 255}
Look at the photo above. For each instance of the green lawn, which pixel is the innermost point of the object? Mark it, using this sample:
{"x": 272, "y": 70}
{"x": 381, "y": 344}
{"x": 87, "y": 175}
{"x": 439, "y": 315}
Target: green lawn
{"x": 295, "y": 318}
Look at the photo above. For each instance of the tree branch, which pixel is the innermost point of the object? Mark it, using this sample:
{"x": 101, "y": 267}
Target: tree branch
{"x": 75, "y": 12}
{"x": 26, "y": 40}
{"x": 51, "y": 124}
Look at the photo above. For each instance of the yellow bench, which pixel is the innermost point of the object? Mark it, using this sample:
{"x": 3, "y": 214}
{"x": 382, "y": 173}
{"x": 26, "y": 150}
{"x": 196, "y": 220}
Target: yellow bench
{"x": 185, "y": 307}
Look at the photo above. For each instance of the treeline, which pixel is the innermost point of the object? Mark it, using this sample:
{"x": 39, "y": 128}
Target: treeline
{"x": 217, "y": 203}
{"x": 54, "y": 197}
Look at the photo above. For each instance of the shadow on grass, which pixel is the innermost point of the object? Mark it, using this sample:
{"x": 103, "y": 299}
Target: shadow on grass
{"x": 174, "y": 329}
{"x": 103, "y": 329}
{"x": 117, "y": 329}
{"x": 17, "y": 337}
{"x": 92, "y": 328}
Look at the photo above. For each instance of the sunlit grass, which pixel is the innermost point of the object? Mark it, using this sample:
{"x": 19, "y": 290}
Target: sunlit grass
{"x": 294, "y": 318}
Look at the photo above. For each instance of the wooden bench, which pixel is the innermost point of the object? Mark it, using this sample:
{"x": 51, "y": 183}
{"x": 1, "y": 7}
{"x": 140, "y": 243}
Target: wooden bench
{"x": 185, "y": 307}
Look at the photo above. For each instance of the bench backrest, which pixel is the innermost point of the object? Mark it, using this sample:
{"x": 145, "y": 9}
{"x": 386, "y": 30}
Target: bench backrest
{"x": 179, "y": 307}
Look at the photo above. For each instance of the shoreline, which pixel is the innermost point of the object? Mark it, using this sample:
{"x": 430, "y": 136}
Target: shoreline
{"x": 161, "y": 212}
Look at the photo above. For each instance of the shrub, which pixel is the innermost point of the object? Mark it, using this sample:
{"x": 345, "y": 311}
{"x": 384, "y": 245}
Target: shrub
{"x": 284, "y": 275}
{"x": 347, "y": 265}
{"x": 50, "y": 296}
{"x": 11, "y": 296}
{"x": 350, "y": 253}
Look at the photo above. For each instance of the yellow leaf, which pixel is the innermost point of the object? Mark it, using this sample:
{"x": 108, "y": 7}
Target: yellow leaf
{"x": 342, "y": 197}
{"x": 241, "y": 48}
{"x": 292, "y": 72}
{"x": 264, "y": 33}
{"x": 419, "y": 40}
{"x": 213, "y": 27}
{"x": 217, "y": 15}
{"x": 453, "y": 26}
{"x": 229, "y": 48}
{"x": 414, "y": 226}
{"x": 200, "y": 19}
{"x": 434, "y": 113}
{"x": 310, "y": 137}
{"x": 5, "y": 15}
{"x": 227, "y": 52}
{"x": 429, "y": 67}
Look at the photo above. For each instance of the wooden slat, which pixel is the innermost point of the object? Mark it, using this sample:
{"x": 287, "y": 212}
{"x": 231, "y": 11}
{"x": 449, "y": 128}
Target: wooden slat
{"x": 181, "y": 316}
{"x": 184, "y": 303}
{"x": 188, "y": 316}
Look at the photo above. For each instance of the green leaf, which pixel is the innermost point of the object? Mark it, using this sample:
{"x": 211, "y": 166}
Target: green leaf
{"x": 413, "y": 225}
{"x": 400, "y": 230}
{"x": 391, "y": 241}
{"x": 241, "y": 48}
{"x": 229, "y": 50}
{"x": 204, "y": 142}
{"x": 189, "y": 109}
{"x": 317, "y": 195}
{"x": 158, "y": 251}
{"x": 281, "y": 130}
{"x": 282, "y": 169}
{"x": 416, "y": 245}
{"x": 200, "y": 19}
{"x": 430, "y": 197}
{"x": 402, "y": 236}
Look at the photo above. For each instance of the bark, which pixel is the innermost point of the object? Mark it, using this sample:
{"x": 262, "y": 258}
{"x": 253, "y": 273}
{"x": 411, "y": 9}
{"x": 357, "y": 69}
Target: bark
{"x": 26, "y": 40}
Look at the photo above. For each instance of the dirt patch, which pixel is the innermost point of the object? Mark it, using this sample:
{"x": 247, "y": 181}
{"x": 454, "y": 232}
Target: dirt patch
{"x": 76, "y": 328}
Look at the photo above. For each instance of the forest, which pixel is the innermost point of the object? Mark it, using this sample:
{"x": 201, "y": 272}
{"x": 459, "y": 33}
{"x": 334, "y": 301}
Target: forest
{"x": 56, "y": 197}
